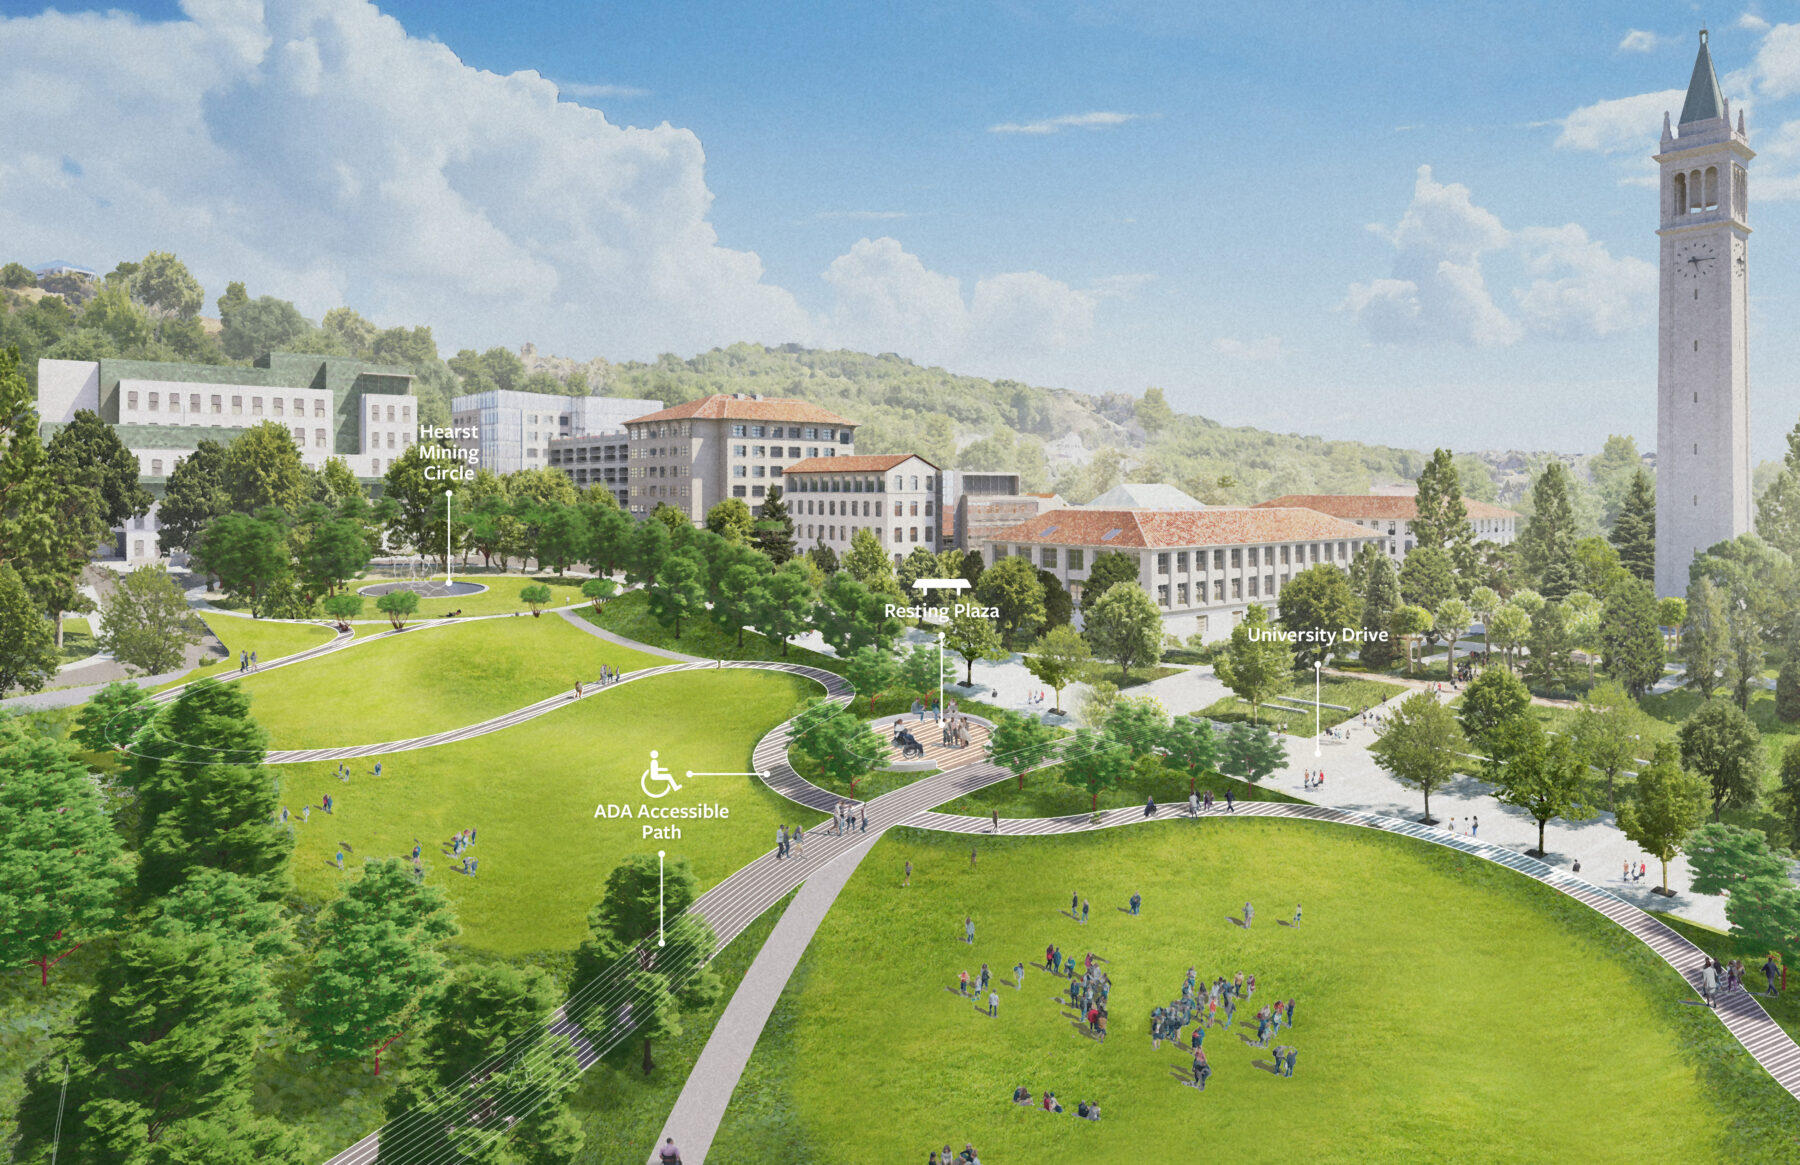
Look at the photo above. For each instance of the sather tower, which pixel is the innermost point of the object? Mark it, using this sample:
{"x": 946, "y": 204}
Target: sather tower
{"x": 1703, "y": 360}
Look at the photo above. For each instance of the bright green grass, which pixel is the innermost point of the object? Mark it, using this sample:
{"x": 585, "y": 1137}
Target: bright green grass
{"x": 1046, "y": 795}
{"x": 429, "y": 680}
{"x": 269, "y": 639}
{"x": 629, "y": 615}
{"x": 1353, "y": 694}
{"x": 501, "y": 596}
{"x": 78, "y": 639}
{"x": 1448, "y": 1010}
{"x": 1784, "y": 1009}
{"x": 1139, "y": 675}
{"x": 530, "y": 792}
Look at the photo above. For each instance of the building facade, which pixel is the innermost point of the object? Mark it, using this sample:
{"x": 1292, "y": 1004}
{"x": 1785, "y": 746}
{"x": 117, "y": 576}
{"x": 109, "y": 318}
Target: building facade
{"x": 899, "y": 496}
{"x": 598, "y": 460}
{"x": 1390, "y": 516}
{"x": 978, "y": 504}
{"x": 331, "y": 406}
{"x": 513, "y": 430}
{"x": 1703, "y": 465}
{"x": 729, "y": 445}
{"x": 1202, "y": 568}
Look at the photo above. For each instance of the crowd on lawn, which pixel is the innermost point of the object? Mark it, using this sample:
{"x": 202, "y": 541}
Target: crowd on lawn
{"x": 457, "y": 847}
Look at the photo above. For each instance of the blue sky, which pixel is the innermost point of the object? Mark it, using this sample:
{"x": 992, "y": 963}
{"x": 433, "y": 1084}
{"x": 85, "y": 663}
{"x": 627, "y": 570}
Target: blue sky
{"x": 1099, "y": 195}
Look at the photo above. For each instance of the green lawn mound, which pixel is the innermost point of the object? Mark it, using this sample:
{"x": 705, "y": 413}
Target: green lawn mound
{"x": 530, "y": 793}
{"x": 1448, "y": 1009}
{"x": 1294, "y": 712}
{"x": 429, "y": 680}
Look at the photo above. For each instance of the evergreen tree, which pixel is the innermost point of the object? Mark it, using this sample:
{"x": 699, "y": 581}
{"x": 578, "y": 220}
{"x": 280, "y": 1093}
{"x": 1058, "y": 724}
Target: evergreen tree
{"x": 1705, "y": 637}
{"x": 28, "y": 655}
{"x": 1381, "y": 595}
{"x": 1443, "y": 518}
{"x": 1547, "y": 544}
{"x": 1787, "y": 689}
{"x": 1059, "y": 608}
{"x": 1108, "y": 568}
{"x": 824, "y": 557}
{"x": 89, "y": 442}
{"x": 1550, "y": 647}
{"x": 1634, "y": 533}
{"x": 871, "y": 672}
{"x": 1630, "y": 636}
{"x": 223, "y": 820}
{"x": 774, "y": 533}
{"x": 113, "y": 716}
{"x": 1427, "y": 579}
{"x": 193, "y": 497}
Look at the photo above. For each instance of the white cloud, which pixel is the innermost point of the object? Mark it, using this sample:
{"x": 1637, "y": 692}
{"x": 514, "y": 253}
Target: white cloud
{"x": 582, "y": 89}
{"x": 1438, "y": 290}
{"x": 1263, "y": 350}
{"x": 1752, "y": 22}
{"x": 1119, "y": 286}
{"x": 1777, "y": 63}
{"x": 1620, "y": 125}
{"x": 1095, "y": 120}
{"x": 1638, "y": 41}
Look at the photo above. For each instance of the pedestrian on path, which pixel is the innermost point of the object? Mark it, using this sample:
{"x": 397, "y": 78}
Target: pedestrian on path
{"x": 1230, "y": 806}
{"x": 1709, "y": 981}
{"x": 1084, "y": 911}
{"x": 996, "y": 828}
{"x": 254, "y": 666}
{"x": 1474, "y": 827}
{"x": 243, "y": 662}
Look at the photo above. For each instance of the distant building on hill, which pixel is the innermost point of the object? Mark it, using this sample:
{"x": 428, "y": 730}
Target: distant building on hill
{"x": 977, "y": 504}
{"x": 1391, "y": 515}
{"x": 515, "y": 430}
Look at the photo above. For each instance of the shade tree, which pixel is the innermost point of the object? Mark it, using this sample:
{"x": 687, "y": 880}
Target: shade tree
{"x": 1421, "y": 745}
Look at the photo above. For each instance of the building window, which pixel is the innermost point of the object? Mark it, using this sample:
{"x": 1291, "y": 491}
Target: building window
{"x": 1237, "y": 588}
{"x": 1077, "y": 559}
{"x": 280, "y": 407}
{"x": 756, "y": 430}
{"x": 218, "y": 404}
{"x": 406, "y": 412}
{"x": 299, "y": 435}
{"x": 843, "y": 436}
{"x": 1284, "y": 556}
{"x": 193, "y": 402}
{"x": 137, "y": 548}
{"x": 914, "y": 532}
{"x": 1181, "y": 560}
{"x": 1162, "y": 595}
{"x": 758, "y": 451}
{"x": 1200, "y": 625}
{"x": 390, "y": 410}
{"x": 1218, "y": 590}
{"x": 737, "y": 430}
{"x": 1253, "y": 586}
{"x": 756, "y": 471}
{"x": 830, "y": 452}
{"x": 793, "y": 451}
{"x": 1237, "y": 557}
{"x": 131, "y": 400}
{"x": 737, "y": 491}
{"x": 256, "y": 406}
{"x": 740, "y": 471}
{"x": 898, "y": 482}
{"x": 896, "y": 533}
{"x": 1048, "y": 557}
{"x": 756, "y": 491}
{"x": 812, "y": 451}
{"x": 1269, "y": 585}
{"x": 156, "y": 467}
{"x": 1162, "y": 567}
{"x": 375, "y": 467}
{"x": 319, "y": 438}
{"x": 1181, "y": 593}
{"x": 237, "y": 406}
{"x": 154, "y": 397}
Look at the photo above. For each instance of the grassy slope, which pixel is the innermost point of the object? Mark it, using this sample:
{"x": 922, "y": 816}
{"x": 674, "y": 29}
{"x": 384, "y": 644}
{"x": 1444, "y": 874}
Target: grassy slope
{"x": 500, "y": 598}
{"x": 429, "y": 680}
{"x": 1353, "y": 694}
{"x": 531, "y": 791}
{"x": 629, "y": 615}
{"x": 1046, "y": 795}
{"x": 1408, "y": 968}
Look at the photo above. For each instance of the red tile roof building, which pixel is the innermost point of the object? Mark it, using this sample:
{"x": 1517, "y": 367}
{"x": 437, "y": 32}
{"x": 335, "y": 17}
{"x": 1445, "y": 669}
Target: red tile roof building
{"x": 1391, "y": 516}
{"x": 1202, "y": 568}
{"x": 898, "y": 496}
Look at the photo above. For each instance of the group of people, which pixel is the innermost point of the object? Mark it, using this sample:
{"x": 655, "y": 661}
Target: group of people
{"x": 789, "y": 844}
{"x": 1313, "y": 779}
{"x": 1087, "y": 1110}
{"x": 966, "y": 1157}
{"x": 1201, "y": 802}
{"x": 459, "y": 846}
{"x": 246, "y": 661}
{"x": 846, "y": 819}
{"x": 956, "y": 728}
{"x": 1038, "y": 696}
{"x": 1715, "y": 975}
{"x": 1634, "y": 873}
{"x": 1470, "y": 825}
{"x": 1218, "y": 1007}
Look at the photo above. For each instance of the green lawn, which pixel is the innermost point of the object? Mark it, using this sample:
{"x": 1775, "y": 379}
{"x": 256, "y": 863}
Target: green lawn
{"x": 1448, "y": 1010}
{"x": 1784, "y": 1009}
{"x": 1046, "y": 795}
{"x": 1355, "y": 694}
{"x": 270, "y": 640}
{"x": 500, "y": 598}
{"x": 78, "y": 639}
{"x": 1138, "y": 675}
{"x": 629, "y": 615}
{"x": 429, "y": 680}
{"x": 530, "y": 793}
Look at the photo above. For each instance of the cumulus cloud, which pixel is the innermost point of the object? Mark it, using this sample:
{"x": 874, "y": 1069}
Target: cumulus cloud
{"x": 1777, "y": 64}
{"x": 1263, "y": 350}
{"x": 1751, "y": 22}
{"x": 1095, "y": 120}
{"x": 1620, "y": 125}
{"x": 1638, "y": 41}
{"x": 584, "y": 90}
{"x": 1438, "y": 290}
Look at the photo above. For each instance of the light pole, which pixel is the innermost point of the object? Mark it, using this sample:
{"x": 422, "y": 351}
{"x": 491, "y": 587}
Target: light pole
{"x": 447, "y": 578}
{"x": 940, "y": 672}
{"x": 1318, "y": 670}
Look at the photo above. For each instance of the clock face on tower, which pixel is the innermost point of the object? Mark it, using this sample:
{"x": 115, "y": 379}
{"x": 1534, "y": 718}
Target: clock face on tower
{"x": 1694, "y": 260}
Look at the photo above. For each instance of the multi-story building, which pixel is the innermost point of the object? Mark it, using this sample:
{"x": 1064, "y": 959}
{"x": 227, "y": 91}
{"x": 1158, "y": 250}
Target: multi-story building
{"x": 897, "y": 495}
{"x": 596, "y": 459}
{"x": 1202, "y": 568}
{"x": 978, "y": 504}
{"x": 332, "y": 407}
{"x": 696, "y": 455}
{"x": 1391, "y": 516}
{"x": 513, "y": 430}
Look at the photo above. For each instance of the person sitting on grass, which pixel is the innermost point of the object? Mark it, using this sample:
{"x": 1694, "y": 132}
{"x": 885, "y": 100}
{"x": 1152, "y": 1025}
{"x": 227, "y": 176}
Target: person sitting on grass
{"x": 1051, "y": 1104}
{"x": 1022, "y": 1095}
{"x": 1081, "y": 1109}
{"x": 1093, "y": 1110}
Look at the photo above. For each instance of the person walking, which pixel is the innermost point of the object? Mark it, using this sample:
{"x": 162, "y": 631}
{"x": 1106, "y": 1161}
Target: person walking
{"x": 1287, "y": 1067}
{"x": 1230, "y": 805}
{"x": 1474, "y": 827}
{"x": 1137, "y": 900}
{"x": 1074, "y": 904}
{"x": 1084, "y": 911}
{"x": 578, "y": 689}
{"x": 1202, "y": 1069}
{"x": 668, "y": 1154}
{"x": 378, "y": 768}
{"x": 1709, "y": 981}
{"x": 972, "y": 857}
{"x": 340, "y": 859}
{"x": 968, "y": 930}
{"x": 780, "y": 842}
{"x": 243, "y": 662}
{"x": 1249, "y": 915}
{"x": 907, "y": 881}
{"x": 993, "y": 1004}
{"x": 1296, "y": 914}
{"x": 962, "y": 984}
{"x": 1290, "y": 1014}
{"x": 1768, "y": 970}
{"x": 1193, "y": 804}
{"x": 1019, "y": 976}
{"x": 996, "y": 828}
{"x": 254, "y": 666}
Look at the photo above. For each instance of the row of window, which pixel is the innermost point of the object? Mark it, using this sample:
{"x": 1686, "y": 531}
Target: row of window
{"x": 404, "y": 414}
{"x": 1256, "y": 587}
{"x": 642, "y": 432}
{"x": 809, "y": 433}
{"x": 661, "y": 491}
{"x": 807, "y": 483}
{"x": 662, "y": 471}
{"x": 216, "y": 404}
{"x": 156, "y": 463}
{"x": 832, "y": 508}
{"x": 902, "y": 534}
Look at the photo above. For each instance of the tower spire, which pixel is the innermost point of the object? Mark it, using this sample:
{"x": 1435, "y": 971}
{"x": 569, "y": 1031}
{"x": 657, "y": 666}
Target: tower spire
{"x": 1704, "y": 101}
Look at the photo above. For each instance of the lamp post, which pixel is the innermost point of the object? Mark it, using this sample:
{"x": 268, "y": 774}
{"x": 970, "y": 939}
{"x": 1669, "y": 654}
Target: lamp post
{"x": 940, "y": 673}
{"x": 447, "y": 578}
{"x": 1318, "y": 670}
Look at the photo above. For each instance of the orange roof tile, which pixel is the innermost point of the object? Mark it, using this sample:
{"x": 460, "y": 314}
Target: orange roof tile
{"x": 1151, "y": 529}
{"x": 873, "y": 463}
{"x": 1388, "y": 507}
{"x": 723, "y": 406}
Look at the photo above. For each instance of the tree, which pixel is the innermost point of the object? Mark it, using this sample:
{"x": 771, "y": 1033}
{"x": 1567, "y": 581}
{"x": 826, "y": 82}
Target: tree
{"x": 1634, "y": 533}
{"x": 774, "y": 533}
{"x": 1547, "y": 544}
{"x": 1494, "y": 698}
{"x": 973, "y": 637}
{"x": 1672, "y": 612}
{"x": 168, "y": 291}
{"x": 1757, "y": 582}
{"x": 1012, "y": 588}
{"x": 1317, "y": 608}
{"x": 194, "y": 496}
{"x": 851, "y": 616}
{"x": 1507, "y": 631}
{"x": 1108, "y": 569}
{"x": 1059, "y": 608}
{"x": 1020, "y": 743}
{"x": 537, "y": 597}
{"x": 1483, "y": 602}
{"x": 644, "y": 900}
{"x": 1427, "y": 579}
{"x": 1631, "y": 637}
{"x": 1125, "y": 627}
{"x": 1608, "y": 732}
{"x": 924, "y": 669}
{"x": 16, "y": 275}
{"x": 222, "y": 817}
{"x": 1094, "y": 762}
{"x": 1251, "y": 752}
{"x": 1452, "y": 622}
{"x": 1724, "y": 857}
{"x": 1705, "y": 636}
{"x": 678, "y": 592}
{"x": 788, "y": 600}
{"x": 398, "y": 605}
{"x": 650, "y": 546}
{"x": 60, "y": 868}
{"x": 1188, "y": 742}
{"x": 1059, "y": 656}
{"x": 376, "y": 965}
{"x": 1787, "y": 797}
{"x": 871, "y": 672}
{"x": 145, "y": 623}
{"x": 1422, "y": 746}
{"x": 823, "y": 557}
{"x": 263, "y": 468}
{"x": 869, "y": 564}
{"x": 1139, "y": 723}
{"x": 558, "y": 532}
{"x": 731, "y": 520}
{"x": 28, "y": 655}
{"x": 743, "y": 592}
{"x": 598, "y": 590}
{"x": 1719, "y": 743}
{"x": 89, "y": 442}
{"x": 344, "y": 608}
{"x": 1381, "y": 595}
{"x": 1550, "y": 646}
{"x": 1778, "y": 509}
{"x": 1666, "y": 807}
{"x": 113, "y": 716}
{"x": 1257, "y": 665}
{"x": 1153, "y": 412}
{"x": 255, "y": 326}
{"x": 331, "y": 553}
{"x": 1442, "y": 519}
{"x": 248, "y": 555}
{"x": 1540, "y": 774}
{"x": 1409, "y": 624}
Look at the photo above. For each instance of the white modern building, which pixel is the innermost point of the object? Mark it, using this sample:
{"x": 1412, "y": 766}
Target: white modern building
{"x": 1391, "y": 516}
{"x": 899, "y": 496}
{"x": 600, "y": 459}
{"x": 1203, "y": 568}
{"x": 1703, "y": 465}
{"x": 513, "y": 430}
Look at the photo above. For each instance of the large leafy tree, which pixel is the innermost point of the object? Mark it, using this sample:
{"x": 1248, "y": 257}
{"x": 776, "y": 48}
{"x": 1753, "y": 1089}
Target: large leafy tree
{"x": 1381, "y": 596}
{"x": 1095, "y": 762}
{"x": 1125, "y": 627}
{"x": 60, "y": 868}
{"x": 1631, "y": 636}
{"x": 1427, "y": 578}
{"x": 1608, "y": 730}
{"x": 973, "y": 637}
{"x": 194, "y": 496}
{"x": 1020, "y": 743}
{"x": 1787, "y": 796}
{"x": 112, "y": 717}
{"x": 247, "y": 554}
{"x": 28, "y": 655}
{"x": 851, "y": 616}
{"x": 223, "y": 819}
{"x": 871, "y": 672}
{"x": 1547, "y": 544}
{"x": 145, "y": 622}
{"x": 1251, "y": 752}
{"x": 787, "y": 604}
{"x": 1493, "y": 699}
{"x": 1764, "y": 906}
{"x": 1189, "y": 744}
{"x": 1012, "y": 588}
{"x": 732, "y": 521}
{"x": 1778, "y": 509}
{"x": 1257, "y": 665}
{"x": 1540, "y": 774}
{"x": 1721, "y": 744}
{"x": 1667, "y": 805}
{"x": 1318, "y": 608}
{"x": 1634, "y": 532}
{"x": 869, "y": 564}
{"x": 643, "y": 934}
{"x": 650, "y": 544}
{"x": 1108, "y": 569}
{"x": 1443, "y": 517}
{"x": 255, "y": 326}
{"x": 1060, "y": 656}
{"x": 89, "y": 442}
{"x": 678, "y": 592}
{"x": 208, "y": 723}
{"x": 331, "y": 553}
{"x": 263, "y": 468}
{"x": 926, "y": 668}
{"x": 1422, "y": 745}
{"x": 742, "y": 594}
{"x": 1757, "y": 584}
{"x": 1508, "y": 630}
{"x": 377, "y": 964}
{"x": 838, "y": 742}
{"x": 774, "y": 529}
{"x": 1137, "y": 722}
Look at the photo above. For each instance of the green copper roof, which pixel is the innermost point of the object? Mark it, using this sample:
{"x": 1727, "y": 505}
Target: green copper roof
{"x": 1703, "y": 97}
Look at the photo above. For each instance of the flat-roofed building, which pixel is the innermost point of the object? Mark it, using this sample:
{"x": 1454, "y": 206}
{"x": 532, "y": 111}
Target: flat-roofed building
{"x": 979, "y": 503}
{"x": 1391, "y": 515}
{"x": 1202, "y": 568}
{"x": 897, "y": 495}
{"x": 514, "y": 430}
{"x": 600, "y": 459}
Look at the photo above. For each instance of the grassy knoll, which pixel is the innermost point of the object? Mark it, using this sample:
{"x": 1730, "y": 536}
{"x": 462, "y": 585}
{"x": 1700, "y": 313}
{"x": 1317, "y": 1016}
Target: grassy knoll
{"x": 500, "y": 598}
{"x": 530, "y": 792}
{"x": 629, "y": 615}
{"x": 1412, "y": 972}
{"x": 1046, "y": 795}
{"x": 1355, "y": 694}
{"x": 429, "y": 680}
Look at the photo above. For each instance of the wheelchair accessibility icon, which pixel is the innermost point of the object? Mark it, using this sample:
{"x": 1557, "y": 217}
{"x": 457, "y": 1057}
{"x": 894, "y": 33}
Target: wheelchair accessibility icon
{"x": 657, "y": 781}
